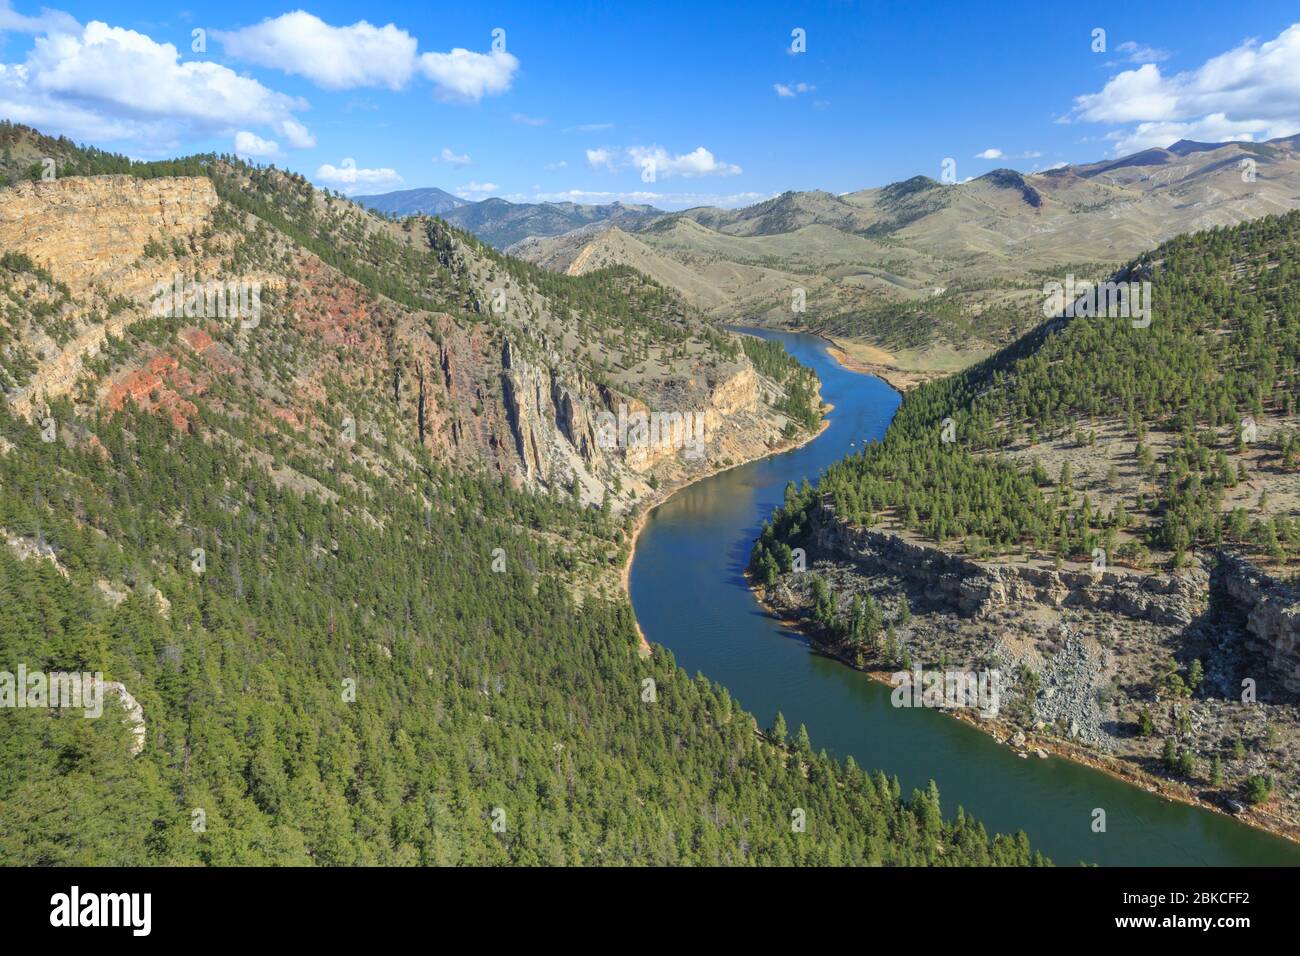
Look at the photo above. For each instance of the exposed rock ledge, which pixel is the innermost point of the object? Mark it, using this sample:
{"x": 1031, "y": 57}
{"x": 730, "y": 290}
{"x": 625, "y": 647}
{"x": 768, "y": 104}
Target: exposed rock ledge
{"x": 975, "y": 589}
{"x": 1272, "y": 614}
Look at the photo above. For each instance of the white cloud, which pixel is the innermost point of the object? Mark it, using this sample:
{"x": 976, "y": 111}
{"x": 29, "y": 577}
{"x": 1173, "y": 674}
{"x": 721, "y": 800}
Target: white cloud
{"x": 450, "y": 157}
{"x": 990, "y": 153}
{"x": 1251, "y": 91}
{"x": 561, "y": 164}
{"x": 593, "y": 127}
{"x": 601, "y": 158}
{"x": 335, "y": 58}
{"x": 478, "y": 189}
{"x": 465, "y": 76}
{"x": 664, "y": 200}
{"x": 1141, "y": 53}
{"x": 348, "y": 178}
{"x": 297, "y": 134}
{"x": 1216, "y": 128}
{"x": 698, "y": 162}
{"x": 48, "y": 20}
{"x": 252, "y": 146}
{"x": 106, "y": 83}
{"x": 792, "y": 89}
{"x": 525, "y": 120}
{"x": 361, "y": 55}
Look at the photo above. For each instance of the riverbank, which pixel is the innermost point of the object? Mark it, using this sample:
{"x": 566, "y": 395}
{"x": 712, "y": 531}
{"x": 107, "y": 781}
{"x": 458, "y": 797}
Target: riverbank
{"x": 643, "y": 514}
{"x": 1027, "y": 742}
{"x": 879, "y": 364}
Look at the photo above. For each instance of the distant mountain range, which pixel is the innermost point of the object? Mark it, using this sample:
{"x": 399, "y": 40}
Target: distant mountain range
{"x": 928, "y": 277}
{"x": 923, "y": 276}
{"x": 500, "y": 223}
{"x": 430, "y": 201}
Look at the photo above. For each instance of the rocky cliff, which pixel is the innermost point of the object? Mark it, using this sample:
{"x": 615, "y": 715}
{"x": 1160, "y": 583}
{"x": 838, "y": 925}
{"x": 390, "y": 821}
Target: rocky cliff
{"x": 554, "y": 411}
{"x": 1107, "y": 667}
{"x": 976, "y": 589}
{"x": 93, "y": 229}
{"x": 510, "y": 386}
{"x": 1272, "y": 611}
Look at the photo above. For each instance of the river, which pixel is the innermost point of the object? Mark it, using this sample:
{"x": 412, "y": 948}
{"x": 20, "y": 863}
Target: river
{"x": 689, "y": 593}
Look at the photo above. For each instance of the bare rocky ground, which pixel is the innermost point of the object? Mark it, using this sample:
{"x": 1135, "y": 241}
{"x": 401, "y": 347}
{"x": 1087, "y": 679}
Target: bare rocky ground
{"x": 1095, "y": 673}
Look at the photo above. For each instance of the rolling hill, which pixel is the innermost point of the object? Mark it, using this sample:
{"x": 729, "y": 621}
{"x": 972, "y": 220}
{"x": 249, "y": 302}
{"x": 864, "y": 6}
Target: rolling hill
{"x": 429, "y": 201}
{"x": 928, "y": 277}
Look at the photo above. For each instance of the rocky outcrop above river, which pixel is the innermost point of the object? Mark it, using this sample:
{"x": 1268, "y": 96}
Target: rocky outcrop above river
{"x": 1084, "y": 654}
{"x": 975, "y": 588}
{"x": 1272, "y": 612}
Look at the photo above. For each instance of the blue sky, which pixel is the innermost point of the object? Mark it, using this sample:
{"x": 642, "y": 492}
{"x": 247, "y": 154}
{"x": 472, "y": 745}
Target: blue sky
{"x": 671, "y": 103}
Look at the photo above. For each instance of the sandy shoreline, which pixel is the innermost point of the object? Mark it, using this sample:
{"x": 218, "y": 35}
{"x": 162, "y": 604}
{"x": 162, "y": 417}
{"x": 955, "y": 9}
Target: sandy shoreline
{"x": 897, "y": 379}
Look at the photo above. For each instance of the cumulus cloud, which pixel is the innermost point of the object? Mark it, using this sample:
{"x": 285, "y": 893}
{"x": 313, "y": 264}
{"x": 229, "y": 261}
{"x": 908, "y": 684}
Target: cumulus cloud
{"x": 478, "y": 189}
{"x": 299, "y": 136}
{"x": 601, "y": 158}
{"x": 101, "y": 82}
{"x": 252, "y": 146}
{"x": 451, "y": 158}
{"x": 334, "y": 58}
{"x": 664, "y": 200}
{"x": 348, "y": 178}
{"x": 990, "y": 153}
{"x": 1250, "y": 92}
{"x": 698, "y": 162}
{"x": 789, "y": 90}
{"x": 464, "y": 76}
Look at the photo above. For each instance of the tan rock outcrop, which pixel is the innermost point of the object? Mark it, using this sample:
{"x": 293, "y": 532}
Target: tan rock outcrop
{"x": 92, "y": 229}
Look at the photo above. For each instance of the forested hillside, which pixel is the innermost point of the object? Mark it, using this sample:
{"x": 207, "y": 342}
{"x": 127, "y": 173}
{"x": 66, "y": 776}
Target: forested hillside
{"x": 1106, "y": 513}
{"x": 361, "y": 622}
{"x": 1161, "y": 440}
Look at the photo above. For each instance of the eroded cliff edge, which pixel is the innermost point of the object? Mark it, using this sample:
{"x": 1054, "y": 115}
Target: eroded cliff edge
{"x": 1111, "y": 666}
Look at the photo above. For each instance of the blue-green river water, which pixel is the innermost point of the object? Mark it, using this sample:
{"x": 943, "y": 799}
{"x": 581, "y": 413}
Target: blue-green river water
{"x": 690, "y": 595}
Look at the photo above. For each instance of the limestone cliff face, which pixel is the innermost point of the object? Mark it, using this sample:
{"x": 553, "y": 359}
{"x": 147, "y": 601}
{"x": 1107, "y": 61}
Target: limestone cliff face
{"x": 735, "y": 393}
{"x": 93, "y": 229}
{"x": 551, "y": 419}
{"x": 90, "y": 233}
{"x": 977, "y": 589}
